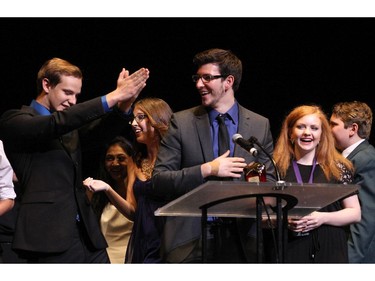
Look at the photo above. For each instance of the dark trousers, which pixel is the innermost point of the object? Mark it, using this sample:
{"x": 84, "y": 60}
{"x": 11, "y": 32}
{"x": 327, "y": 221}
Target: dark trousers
{"x": 8, "y": 255}
{"x": 224, "y": 244}
{"x": 80, "y": 252}
{"x": 228, "y": 241}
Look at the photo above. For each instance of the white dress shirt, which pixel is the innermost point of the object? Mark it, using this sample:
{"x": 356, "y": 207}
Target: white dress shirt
{"x": 6, "y": 176}
{"x": 349, "y": 149}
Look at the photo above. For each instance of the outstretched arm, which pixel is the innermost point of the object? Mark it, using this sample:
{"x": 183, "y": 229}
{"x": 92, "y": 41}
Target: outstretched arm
{"x": 120, "y": 203}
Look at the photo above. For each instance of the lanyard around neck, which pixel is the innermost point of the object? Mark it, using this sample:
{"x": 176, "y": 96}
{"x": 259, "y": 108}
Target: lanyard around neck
{"x": 298, "y": 173}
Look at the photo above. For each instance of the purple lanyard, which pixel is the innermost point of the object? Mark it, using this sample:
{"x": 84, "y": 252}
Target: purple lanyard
{"x": 298, "y": 173}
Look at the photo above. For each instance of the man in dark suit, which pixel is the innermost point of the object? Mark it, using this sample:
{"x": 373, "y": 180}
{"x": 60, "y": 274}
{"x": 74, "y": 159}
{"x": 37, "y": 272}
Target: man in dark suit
{"x": 43, "y": 141}
{"x": 189, "y": 156}
{"x": 351, "y": 126}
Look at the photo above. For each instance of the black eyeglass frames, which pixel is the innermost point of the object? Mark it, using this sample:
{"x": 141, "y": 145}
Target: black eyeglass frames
{"x": 206, "y": 77}
{"x": 138, "y": 118}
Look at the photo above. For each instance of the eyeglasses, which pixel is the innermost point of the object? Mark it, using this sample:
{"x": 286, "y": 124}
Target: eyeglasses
{"x": 138, "y": 118}
{"x": 206, "y": 78}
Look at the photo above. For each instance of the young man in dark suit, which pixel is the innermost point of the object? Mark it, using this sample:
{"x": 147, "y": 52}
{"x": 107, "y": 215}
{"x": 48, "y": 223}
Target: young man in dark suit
{"x": 189, "y": 156}
{"x": 43, "y": 141}
{"x": 351, "y": 126}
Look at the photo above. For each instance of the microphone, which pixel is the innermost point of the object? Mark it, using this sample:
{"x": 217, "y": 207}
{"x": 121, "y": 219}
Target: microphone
{"x": 247, "y": 145}
{"x": 280, "y": 184}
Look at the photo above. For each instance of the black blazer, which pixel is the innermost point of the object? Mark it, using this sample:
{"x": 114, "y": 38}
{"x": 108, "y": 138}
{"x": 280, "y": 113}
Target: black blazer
{"x": 45, "y": 153}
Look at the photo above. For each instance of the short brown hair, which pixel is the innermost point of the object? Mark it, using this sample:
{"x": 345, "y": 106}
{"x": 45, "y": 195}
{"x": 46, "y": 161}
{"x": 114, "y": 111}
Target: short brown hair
{"x": 53, "y": 69}
{"x": 355, "y": 112}
{"x": 229, "y": 63}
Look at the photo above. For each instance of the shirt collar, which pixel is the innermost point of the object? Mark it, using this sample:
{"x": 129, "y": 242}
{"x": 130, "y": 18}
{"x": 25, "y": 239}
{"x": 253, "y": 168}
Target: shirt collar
{"x": 39, "y": 108}
{"x": 350, "y": 149}
{"x": 232, "y": 113}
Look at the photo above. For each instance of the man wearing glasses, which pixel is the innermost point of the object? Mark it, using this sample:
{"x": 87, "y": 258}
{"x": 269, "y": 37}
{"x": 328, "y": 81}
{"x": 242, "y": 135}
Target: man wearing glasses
{"x": 191, "y": 154}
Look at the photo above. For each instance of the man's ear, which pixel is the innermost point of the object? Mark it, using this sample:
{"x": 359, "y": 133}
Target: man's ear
{"x": 353, "y": 129}
{"x": 229, "y": 82}
{"x": 46, "y": 85}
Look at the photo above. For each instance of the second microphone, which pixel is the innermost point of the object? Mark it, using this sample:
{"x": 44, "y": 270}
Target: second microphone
{"x": 245, "y": 144}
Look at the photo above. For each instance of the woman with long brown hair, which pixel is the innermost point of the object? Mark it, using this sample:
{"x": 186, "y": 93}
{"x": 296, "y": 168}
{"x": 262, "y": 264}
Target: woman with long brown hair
{"x": 150, "y": 123}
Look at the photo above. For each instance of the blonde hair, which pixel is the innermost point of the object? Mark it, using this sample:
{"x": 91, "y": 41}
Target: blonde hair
{"x": 326, "y": 154}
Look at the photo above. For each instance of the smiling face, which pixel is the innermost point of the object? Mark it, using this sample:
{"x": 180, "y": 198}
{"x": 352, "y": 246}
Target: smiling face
{"x": 214, "y": 93}
{"x": 116, "y": 161}
{"x": 142, "y": 128}
{"x": 306, "y": 134}
{"x": 63, "y": 95}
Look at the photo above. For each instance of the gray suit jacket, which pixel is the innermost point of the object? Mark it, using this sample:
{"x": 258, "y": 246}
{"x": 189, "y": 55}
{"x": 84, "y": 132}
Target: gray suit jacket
{"x": 361, "y": 244}
{"x": 177, "y": 170}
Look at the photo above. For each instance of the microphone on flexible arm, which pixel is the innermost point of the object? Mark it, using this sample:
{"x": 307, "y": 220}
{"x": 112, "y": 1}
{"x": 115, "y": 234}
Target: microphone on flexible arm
{"x": 247, "y": 145}
{"x": 254, "y": 171}
{"x": 280, "y": 183}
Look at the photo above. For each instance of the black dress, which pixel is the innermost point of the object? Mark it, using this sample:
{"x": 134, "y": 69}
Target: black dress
{"x": 325, "y": 244}
{"x": 144, "y": 242}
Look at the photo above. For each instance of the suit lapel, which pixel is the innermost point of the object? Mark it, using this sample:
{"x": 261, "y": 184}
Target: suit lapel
{"x": 360, "y": 147}
{"x": 204, "y": 133}
{"x": 244, "y": 129}
{"x": 70, "y": 142}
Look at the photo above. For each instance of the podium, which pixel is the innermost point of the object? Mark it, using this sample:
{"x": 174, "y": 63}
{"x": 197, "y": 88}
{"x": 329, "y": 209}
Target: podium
{"x": 239, "y": 199}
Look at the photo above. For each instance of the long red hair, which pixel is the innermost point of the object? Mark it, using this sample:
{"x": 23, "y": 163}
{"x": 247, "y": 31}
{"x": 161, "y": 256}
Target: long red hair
{"x": 326, "y": 154}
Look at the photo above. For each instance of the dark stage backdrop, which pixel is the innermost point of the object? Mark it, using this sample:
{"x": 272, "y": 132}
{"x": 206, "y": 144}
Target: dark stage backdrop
{"x": 287, "y": 61}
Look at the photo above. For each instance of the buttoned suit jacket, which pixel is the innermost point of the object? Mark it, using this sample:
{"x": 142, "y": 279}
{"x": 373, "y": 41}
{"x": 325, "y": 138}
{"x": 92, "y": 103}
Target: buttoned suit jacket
{"x": 45, "y": 153}
{"x": 361, "y": 244}
{"x": 186, "y": 146}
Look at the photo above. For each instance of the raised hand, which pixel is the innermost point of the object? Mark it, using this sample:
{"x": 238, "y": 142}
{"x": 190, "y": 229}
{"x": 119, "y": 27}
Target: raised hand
{"x": 128, "y": 88}
{"x": 95, "y": 185}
